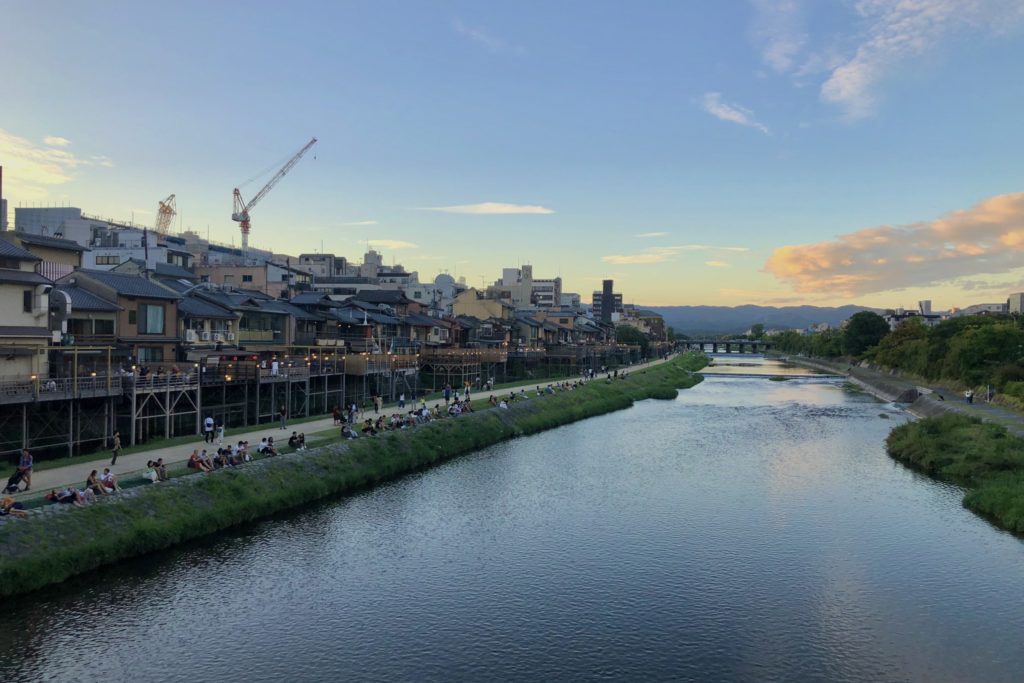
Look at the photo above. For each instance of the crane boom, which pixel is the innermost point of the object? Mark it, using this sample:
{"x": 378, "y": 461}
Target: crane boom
{"x": 241, "y": 212}
{"x": 165, "y": 215}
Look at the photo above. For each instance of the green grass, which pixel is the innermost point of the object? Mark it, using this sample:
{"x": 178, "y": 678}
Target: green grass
{"x": 46, "y": 549}
{"x": 980, "y": 456}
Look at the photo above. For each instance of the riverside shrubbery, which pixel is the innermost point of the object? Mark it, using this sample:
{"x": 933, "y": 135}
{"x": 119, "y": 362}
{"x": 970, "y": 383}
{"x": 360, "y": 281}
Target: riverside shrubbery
{"x": 983, "y": 457}
{"x": 49, "y": 548}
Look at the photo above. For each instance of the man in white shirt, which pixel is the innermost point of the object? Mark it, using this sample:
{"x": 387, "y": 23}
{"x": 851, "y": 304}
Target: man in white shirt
{"x": 208, "y": 429}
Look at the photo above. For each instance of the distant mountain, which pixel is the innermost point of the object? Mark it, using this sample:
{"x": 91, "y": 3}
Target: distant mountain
{"x": 716, "y": 320}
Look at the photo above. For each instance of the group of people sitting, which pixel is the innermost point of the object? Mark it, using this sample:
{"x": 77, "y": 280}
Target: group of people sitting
{"x": 228, "y": 456}
{"x": 413, "y": 418}
{"x": 102, "y": 484}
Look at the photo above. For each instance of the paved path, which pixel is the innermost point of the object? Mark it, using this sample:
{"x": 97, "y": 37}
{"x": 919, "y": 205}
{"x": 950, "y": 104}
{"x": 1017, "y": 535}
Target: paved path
{"x": 58, "y": 477}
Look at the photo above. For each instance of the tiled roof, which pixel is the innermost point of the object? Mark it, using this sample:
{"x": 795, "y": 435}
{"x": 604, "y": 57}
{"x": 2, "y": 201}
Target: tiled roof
{"x": 171, "y": 270}
{"x": 194, "y": 307}
{"x": 84, "y": 300}
{"x": 9, "y": 250}
{"x": 22, "y": 276}
{"x": 129, "y": 285}
{"x": 47, "y": 241}
{"x": 311, "y": 298}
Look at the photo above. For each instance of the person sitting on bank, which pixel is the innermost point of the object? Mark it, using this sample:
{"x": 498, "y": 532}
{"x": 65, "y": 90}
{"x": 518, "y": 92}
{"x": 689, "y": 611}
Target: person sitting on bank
{"x": 109, "y": 480}
{"x": 270, "y": 449}
{"x": 347, "y": 433}
{"x": 149, "y": 473}
{"x": 94, "y": 484}
{"x": 493, "y": 401}
{"x": 368, "y": 428}
{"x": 161, "y": 469}
{"x": 195, "y": 462}
{"x": 9, "y": 507}
{"x": 302, "y": 441}
{"x": 293, "y": 441}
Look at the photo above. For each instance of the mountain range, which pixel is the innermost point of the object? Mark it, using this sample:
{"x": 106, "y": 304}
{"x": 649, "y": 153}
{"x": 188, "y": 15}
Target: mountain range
{"x": 716, "y": 320}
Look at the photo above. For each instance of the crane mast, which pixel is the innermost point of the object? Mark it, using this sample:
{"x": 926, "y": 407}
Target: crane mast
{"x": 242, "y": 208}
{"x": 165, "y": 215}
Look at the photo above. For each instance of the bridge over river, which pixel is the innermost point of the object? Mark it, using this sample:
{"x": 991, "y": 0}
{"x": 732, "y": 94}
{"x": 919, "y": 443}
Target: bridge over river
{"x": 729, "y": 345}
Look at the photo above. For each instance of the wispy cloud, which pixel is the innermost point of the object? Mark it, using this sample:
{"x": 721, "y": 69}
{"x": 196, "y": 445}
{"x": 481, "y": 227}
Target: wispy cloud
{"x": 393, "y": 244}
{"x": 659, "y": 254}
{"x": 733, "y": 113}
{"x": 56, "y": 141}
{"x": 651, "y": 234}
{"x": 716, "y": 264}
{"x": 361, "y": 223}
{"x": 986, "y": 238}
{"x": 491, "y": 209}
{"x": 779, "y": 32}
{"x": 888, "y": 35}
{"x": 32, "y": 168}
{"x": 486, "y": 39}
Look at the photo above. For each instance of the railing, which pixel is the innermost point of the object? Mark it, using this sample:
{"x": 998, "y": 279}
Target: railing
{"x": 264, "y": 336}
{"x": 57, "y": 388}
{"x": 375, "y": 363}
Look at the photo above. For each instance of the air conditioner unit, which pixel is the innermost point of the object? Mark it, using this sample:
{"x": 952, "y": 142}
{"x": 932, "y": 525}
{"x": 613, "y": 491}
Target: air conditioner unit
{"x": 191, "y": 336}
{"x": 230, "y": 336}
{"x": 218, "y": 337}
{"x": 206, "y": 336}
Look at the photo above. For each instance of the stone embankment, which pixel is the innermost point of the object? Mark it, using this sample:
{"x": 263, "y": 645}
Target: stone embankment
{"x": 62, "y": 541}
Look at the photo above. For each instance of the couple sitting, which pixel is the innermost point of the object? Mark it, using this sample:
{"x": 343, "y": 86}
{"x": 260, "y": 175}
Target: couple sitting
{"x": 156, "y": 471}
{"x": 266, "y": 446}
{"x": 297, "y": 442}
{"x": 102, "y": 485}
{"x": 199, "y": 462}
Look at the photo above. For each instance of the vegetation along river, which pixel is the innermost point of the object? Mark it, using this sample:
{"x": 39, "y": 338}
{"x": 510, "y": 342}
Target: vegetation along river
{"x": 749, "y": 530}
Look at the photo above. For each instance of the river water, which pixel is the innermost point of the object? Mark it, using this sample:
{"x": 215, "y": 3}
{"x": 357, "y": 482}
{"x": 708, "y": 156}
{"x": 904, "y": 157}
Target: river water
{"x": 750, "y": 530}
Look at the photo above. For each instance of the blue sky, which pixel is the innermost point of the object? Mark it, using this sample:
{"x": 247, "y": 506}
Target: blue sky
{"x": 753, "y": 135}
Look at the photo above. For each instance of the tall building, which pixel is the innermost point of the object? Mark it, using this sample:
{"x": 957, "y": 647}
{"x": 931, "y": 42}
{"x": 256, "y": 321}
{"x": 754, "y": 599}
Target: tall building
{"x": 607, "y": 304}
{"x": 1015, "y": 304}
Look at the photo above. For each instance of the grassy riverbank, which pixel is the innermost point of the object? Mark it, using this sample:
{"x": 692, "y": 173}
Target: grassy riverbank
{"x": 983, "y": 457}
{"x": 61, "y": 541}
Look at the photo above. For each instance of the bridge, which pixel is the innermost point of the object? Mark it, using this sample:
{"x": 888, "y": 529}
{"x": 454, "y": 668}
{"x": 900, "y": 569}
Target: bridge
{"x": 728, "y": 345}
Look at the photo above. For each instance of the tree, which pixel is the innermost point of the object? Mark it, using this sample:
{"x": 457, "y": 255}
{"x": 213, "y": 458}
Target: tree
{"x": 863, "y": 330}
{"x": 756, "y": 331}
{"x": 627, "y": 334}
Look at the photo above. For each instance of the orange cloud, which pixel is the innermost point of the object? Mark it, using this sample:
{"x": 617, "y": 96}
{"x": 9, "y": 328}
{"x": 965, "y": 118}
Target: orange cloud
{"x": 987, "y": 238}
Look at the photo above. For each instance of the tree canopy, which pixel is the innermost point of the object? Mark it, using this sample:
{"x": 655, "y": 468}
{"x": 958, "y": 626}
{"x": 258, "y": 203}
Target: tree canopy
{"x": 863, "y": 330}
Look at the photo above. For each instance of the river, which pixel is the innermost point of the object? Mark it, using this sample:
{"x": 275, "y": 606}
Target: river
{"x": 749, "y": 530}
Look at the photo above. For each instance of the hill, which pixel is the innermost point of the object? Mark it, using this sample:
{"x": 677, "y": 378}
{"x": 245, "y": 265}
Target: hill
{"x": 717, "y": 320}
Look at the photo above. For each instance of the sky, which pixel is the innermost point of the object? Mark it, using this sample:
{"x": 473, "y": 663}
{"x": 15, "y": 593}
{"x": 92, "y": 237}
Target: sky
{"x": 716, "y": 152}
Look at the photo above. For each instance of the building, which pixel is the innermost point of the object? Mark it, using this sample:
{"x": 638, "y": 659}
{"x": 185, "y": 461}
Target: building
{"x": 570, "y": 300}
{"x": 602, "y": 310}
{"x": 58, "y": 256}
{"x": 323, "y": 265}
{"x": 276, "y": 280}
{"x": 24, "y": 313}
{"x": 1015, "y": 304}
{"x": 547, "y": 293}
{"x": 982, "y": 309}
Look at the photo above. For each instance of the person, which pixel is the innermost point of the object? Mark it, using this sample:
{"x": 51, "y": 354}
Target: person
{"x": 197, "y": 463}
{"x": 109, "y": 480}
{"x": 302, "y": 441}
{"x": 161, "y": 469}
{"x": 25, "y": 467}
{"x": 401, "y": 400}
{"x": 493, "y": 401}
{"x": 9, "y": 507}
{"x": 218, "y": 427}
{"x": 275, "y": 368}
{"x": 262, "y": 447}
{"x": 503, "y": 404}
{"x": 270, "y": 450}
{"x": 423, "y": 403}
{"x": 347, "y": 433}
{"x": 293, "y": 441}
{"x": 368, "y": 427}
{"x": 150, "y": 472}
{"x": 283, "y": 413}
{"x": 447, "y": 394}
{"x": 208, "y": 429}
{"x": 94, "y": 484}
{"x": 969, "y": 395}
{"x": 336, "y": 414}
{"x": 117, "y": 448}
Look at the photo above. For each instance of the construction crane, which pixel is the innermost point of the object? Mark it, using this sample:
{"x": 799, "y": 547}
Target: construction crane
{"x": 241, "y": 212}
{"x": 165, "y": 215}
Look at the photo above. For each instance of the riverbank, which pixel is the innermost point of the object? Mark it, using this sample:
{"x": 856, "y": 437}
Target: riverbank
{"x": 982, "y": 457}
{"x": 61, "y": 541}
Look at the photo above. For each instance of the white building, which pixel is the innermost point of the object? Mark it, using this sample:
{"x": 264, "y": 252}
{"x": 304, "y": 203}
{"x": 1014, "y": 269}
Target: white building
{"x": 1015, "y": 304}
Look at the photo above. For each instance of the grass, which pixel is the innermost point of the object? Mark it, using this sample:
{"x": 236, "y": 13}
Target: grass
{"x": 48, "y": 548}
{"x": 982, "y": 457}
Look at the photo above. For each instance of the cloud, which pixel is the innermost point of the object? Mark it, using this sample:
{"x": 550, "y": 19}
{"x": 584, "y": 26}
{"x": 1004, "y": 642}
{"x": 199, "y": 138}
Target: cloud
{"x": 779, "y": 32}
{"x": 900, "y": 30}
{"x": 659, "y": 254}
{"x": 393, "y": 244}
{"x": 491, "y": 209}
{"x": 361, "y": 223}
{"x": 716, "y": 264}
{"x": 733, "y": 113}
{"x": 31, "y": 169}
{"x": 487, "y": 40}
{"x": 651, "y": 234}
{"x": 987, "y": 238}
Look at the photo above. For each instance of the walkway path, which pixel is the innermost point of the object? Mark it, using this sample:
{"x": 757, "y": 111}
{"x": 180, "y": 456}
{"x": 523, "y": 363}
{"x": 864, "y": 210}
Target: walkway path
{"x": 59, "y": 477}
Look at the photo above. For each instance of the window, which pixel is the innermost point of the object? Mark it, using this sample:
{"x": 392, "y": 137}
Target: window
{"x": 11, "y": 263}
{"x": 151, "y": 354}
{"x": 417, "y": 295}
{"x": 103, "y": 327}
{"x": 150, "y": 319}
{"x": 132, "y": 317}
{"x": 247, "y": 278}
{"x": 108, "y": 260}
{"x": 204, "y": 278}
{"x": 26, "y": 301}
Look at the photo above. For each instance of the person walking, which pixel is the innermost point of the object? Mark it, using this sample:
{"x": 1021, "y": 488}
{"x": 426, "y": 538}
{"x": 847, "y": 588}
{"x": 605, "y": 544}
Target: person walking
{"x": 25, "y": 467}
{"x": 283, "y": 413}
{"x": 219, "y": 428}
{"x": 117, "y": 448}
{"x": 208, "y": 429}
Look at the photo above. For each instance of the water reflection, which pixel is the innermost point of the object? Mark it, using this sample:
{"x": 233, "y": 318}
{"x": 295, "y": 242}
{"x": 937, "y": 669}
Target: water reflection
{"x": 749, "y": 530}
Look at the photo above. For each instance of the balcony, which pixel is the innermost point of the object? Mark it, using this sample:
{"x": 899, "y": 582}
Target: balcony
{"x": 260, "y": 337}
